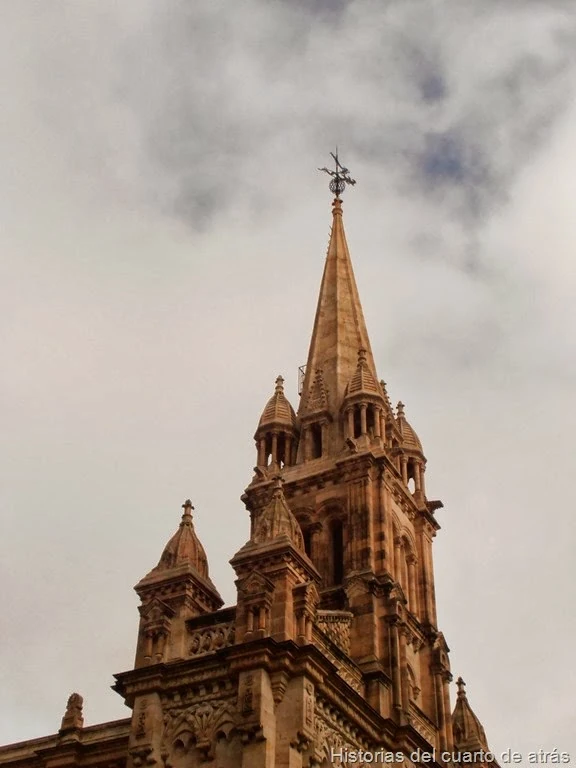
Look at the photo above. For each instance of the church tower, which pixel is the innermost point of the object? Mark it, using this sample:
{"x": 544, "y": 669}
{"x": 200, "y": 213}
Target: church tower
{"x": 332, "y": 654}
{"x": 333, "y": 647}
{"x": 353, "y": 477}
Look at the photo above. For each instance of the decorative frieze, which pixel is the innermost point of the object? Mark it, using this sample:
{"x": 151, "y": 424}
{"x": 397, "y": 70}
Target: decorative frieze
{"x": 197, "y": 727}
{"x": 210, "y": 639}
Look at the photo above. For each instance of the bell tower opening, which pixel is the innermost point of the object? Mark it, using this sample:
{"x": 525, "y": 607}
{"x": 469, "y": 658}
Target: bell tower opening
{"x": 370, "y": 420}
{"x": 357, "y": 422}
{"x": 281, "y": 449}
{"x": 316, "y": 441}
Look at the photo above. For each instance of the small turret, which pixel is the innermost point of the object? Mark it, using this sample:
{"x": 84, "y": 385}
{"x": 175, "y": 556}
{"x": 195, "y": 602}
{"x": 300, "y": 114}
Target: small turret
{"x": 277, "y": 432}
{"x": 177, "y": 589}
{"x": 410, "y": 440}
{"x": 412, "y": 461}
{"x": 364, "y": 404}
{"x": 277, "y": 592}
{"x": 184, "y": 548}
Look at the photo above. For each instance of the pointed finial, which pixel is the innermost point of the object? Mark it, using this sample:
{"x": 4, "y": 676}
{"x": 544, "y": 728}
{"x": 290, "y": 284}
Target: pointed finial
{"x": 279, "y": 385}
{"x": 340, "y": 177}
{"x": 461, "y": 688}
{"x": 278, "y": 485}
{"x": 361, "y": 357}
{"x": 400, "y": 409}
{"x": 188, "y": 509}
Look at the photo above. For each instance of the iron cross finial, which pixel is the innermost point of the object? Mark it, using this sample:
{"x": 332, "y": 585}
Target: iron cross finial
{"x": 340, "y": 177}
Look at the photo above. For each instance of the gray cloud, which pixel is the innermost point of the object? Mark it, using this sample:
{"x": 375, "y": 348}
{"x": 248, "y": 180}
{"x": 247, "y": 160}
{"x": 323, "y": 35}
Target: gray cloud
{"x": 163, "y": 233}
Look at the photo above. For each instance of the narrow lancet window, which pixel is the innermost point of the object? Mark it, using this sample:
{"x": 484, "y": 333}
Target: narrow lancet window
{"x": 337, "y": 552}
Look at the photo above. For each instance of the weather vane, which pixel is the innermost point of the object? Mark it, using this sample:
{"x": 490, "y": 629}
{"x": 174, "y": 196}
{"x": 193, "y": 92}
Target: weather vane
{"x": 340, "y": 177}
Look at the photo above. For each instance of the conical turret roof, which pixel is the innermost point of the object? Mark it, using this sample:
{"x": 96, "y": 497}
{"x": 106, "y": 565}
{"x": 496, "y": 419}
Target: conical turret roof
{"x": 277, "y": 520}
{"x": 184, "y": 548}
{"x": 467, "y": 728}
{"x": 410, "y": 439}
{"x": 183, "y": 560}
{"x": 278, "y": 410}
{"x": 363, "y": 380}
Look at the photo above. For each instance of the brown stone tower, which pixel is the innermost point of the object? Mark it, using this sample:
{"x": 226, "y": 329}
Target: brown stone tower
{"x": 333, "y": 647}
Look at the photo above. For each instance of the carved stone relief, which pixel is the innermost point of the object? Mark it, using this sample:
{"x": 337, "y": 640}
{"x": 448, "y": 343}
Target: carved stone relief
{"x": 195, "y": 734}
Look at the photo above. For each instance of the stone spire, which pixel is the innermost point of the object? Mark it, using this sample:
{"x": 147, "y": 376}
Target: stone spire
{"x": 410, "y": 439}
{"x": 184, "y": 548}
{"x": 339, "y": 327}
{"x": 468, "y": 732}
{"x": 277, "y": 520}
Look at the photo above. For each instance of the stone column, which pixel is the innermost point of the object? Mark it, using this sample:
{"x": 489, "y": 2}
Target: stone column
{"x": 383, "y": 526}
{"x": 304, "y": 443}
{"x": 324, "y": 428}
{"x": 350, "y": 422}
{"x": 403, "y": 633}
{"x": 448, "y": 737}
{"x": 404, "y": 469}
{"x": 377, "y": 416}
{"x": 160, "y": 644}
{"x": 274, "y": 447}
{"x": 262, "y": 452}
{"x": 430, "y": 598}
{"x": 412, "y": 590}
{"x": 148, "y": 647}
{"x": 395, "y": 664}
{"x": 440, "y": 710}
{"x": 287, "y": 450}
{"x": 422, "y": 481}
{"x": 398, "y": 559}
{"x": 363, "y": 409}
{"x": 417, "y": 477}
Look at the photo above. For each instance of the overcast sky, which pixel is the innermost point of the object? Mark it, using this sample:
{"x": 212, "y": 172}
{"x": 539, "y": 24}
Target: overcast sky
{"x": 163, "y": 230}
